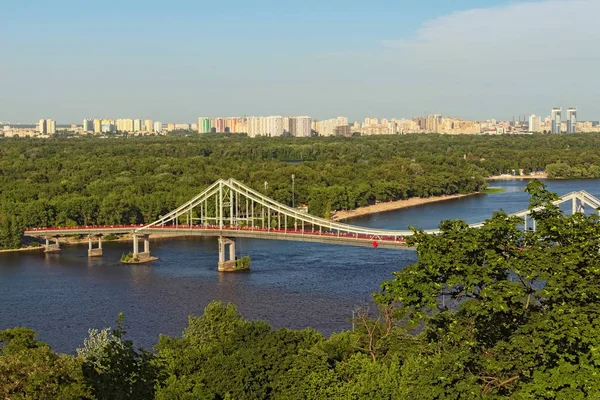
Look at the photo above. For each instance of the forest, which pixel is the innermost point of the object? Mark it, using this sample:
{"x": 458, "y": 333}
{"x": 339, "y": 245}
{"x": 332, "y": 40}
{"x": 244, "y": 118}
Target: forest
{"x": 94, "y": 181}
{"x": 490, "y": 313}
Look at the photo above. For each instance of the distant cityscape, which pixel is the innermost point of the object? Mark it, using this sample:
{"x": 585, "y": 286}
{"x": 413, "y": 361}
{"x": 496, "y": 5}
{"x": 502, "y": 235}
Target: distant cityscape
{"x": 304, "y": 126}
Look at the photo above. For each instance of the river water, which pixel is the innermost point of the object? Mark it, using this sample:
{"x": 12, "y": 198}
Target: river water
{"x": 291, "y": 284}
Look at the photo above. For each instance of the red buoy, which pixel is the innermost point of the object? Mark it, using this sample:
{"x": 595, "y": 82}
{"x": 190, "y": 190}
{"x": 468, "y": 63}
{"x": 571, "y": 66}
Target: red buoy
{"x": 375, "y": 244}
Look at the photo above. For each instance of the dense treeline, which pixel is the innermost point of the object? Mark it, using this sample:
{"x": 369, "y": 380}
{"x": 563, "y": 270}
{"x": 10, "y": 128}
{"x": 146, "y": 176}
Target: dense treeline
{"x": 484, "y": 313}
{"x": 83, "y": 181}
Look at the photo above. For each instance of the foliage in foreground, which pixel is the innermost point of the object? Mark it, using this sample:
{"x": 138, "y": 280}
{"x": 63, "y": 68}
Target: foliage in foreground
{"x": 490, "y": 313}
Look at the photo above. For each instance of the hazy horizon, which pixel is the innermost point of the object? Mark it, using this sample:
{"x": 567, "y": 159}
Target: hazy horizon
{"x": 70, "y": 60}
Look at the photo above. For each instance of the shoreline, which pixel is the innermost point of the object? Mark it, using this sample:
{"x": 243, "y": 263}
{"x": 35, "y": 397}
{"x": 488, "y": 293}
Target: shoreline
{"x": 516, "y": 177}
{"x": 23, "y": 249}
{"x": 395, "y": 205}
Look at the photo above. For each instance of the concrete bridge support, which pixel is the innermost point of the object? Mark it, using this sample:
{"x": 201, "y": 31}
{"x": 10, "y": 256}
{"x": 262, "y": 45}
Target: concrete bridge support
{"x": 136, "y": 252}
{"x": 226, "y": 265}
{"x": 94, "y": 252}
{"x": 52, "y": 247}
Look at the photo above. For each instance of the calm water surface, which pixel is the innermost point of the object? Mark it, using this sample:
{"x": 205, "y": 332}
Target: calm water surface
{"x": 291, "y": 284}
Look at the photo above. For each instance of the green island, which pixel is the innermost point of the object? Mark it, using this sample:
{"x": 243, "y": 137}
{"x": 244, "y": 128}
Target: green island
{"x": 129, "y": 257}
{"x": 490, "y": 313}
{"x": 243, "y": 263}
{"x": 94, "y": 181}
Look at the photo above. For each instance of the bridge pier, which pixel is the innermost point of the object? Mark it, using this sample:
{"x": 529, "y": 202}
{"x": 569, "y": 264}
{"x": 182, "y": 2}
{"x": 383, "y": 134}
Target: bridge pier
{"x": 145, "y": 255}
{"x": 94, "y": 252}
{"x": 52, "y": 247}
{"x": 226, "y": 265}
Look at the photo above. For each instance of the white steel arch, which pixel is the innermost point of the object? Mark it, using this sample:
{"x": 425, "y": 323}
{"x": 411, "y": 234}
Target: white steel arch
{"x": 235, "y": 204}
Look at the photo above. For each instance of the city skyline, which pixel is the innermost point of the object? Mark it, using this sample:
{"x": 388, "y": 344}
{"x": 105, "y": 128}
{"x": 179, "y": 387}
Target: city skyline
{"x": 476, "y": 59}
{"x": 305, "y": 126}
{"x": 570, "y": 112}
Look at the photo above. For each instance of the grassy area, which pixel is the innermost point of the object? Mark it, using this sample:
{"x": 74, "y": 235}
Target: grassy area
{"x": 493, "y": 190}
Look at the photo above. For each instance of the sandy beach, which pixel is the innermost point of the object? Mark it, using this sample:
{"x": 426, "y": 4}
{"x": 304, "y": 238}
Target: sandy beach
{"x": 516, "y": 177}
{"x": 393, "y": 205}
{"x": 23, "y": 249}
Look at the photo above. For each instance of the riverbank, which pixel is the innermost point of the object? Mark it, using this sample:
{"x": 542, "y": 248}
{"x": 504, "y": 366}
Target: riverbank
{"x": 506, "y": 177}
{"x": 394, "y": 205}
{"x": 23, "y": 249}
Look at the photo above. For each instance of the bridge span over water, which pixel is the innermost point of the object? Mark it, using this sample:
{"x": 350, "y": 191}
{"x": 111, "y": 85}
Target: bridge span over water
{"x": 229, "y": 209}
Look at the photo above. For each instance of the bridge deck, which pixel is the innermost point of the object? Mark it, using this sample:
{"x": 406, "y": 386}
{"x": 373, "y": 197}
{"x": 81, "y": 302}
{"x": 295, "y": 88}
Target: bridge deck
{"x": 256, "y": 233}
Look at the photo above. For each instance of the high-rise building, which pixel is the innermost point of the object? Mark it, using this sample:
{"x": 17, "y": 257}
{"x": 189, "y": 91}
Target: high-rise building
{"x": 137, "y": 125}
{"x": 148, "y": 127}
{"x": 158, "y": 127}
{"x": 433, "y": 122}
{"x": 42, "y": 126}
{"x": 46, "y": 127}
{"x": 88, "y": 125}
{"x": 571, "y": 120}
{"x": 97, "y": 126}
{"x": 124, "y": 125}
{"x": 421, "y": 122}
{"x": 219, "y": 123}
{"x": 535, "y": 123}
{"x": 204, "y": 125}
{"x": 108, "y": 128}
{"x": 50, "y": 126}
{"x": 556, "y": 120}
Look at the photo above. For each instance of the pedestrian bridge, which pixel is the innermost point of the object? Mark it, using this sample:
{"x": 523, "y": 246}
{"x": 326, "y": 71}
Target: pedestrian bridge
{"x": 230, "y": 209}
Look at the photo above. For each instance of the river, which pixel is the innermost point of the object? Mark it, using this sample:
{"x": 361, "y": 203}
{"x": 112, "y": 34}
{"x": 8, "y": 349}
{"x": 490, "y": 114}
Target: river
{"x": 291, "y": 284}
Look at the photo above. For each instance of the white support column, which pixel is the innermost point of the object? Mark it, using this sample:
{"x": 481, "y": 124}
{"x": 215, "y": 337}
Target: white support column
{"x": 231, "y": 250}
{"x": 231, "y": 214}
{"x": 100, "y": 242}
{"x": 221, "y": 205}
{"x": 217, "y": 209}
{"x": 89, "y": 242}
{"x": 147, "y": 244}
{"x": 574, "y": 205}
{"x": 135, "y": 245}
{"x": 221, "y": 249}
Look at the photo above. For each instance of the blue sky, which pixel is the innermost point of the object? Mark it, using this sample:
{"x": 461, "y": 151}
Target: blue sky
{"x": 177, "y": 60}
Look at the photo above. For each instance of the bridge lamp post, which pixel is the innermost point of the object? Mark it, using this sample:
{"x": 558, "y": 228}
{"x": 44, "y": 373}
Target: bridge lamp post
{"x": 266, "y": 187}
{"x": 293, "y": 193}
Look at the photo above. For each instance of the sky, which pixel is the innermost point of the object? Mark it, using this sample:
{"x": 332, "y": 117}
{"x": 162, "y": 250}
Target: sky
{"x": 177, "y": 60}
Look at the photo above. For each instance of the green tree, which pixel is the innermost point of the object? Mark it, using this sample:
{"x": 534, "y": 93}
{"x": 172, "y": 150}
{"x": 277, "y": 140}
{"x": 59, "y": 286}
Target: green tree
{"x": 522, "y": 305}
{"x": 29, "y": 369}
{"x": 114, "y": 369}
